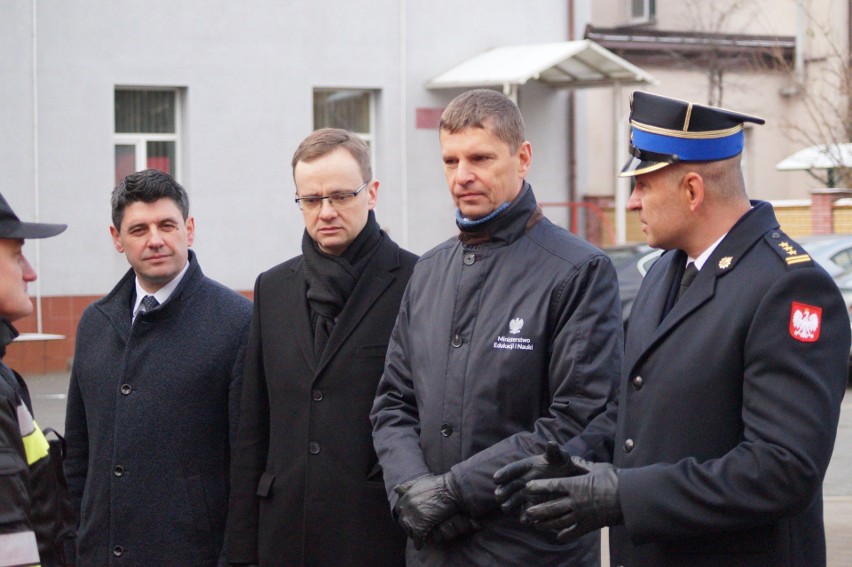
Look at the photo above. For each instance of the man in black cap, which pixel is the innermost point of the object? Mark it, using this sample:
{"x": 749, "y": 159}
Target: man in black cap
{"x": 28, "y": 533}
{"x": 735, "y": 364}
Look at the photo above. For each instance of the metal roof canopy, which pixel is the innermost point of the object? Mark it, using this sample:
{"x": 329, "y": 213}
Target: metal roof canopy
{"x": 822, "y": 156}
{"x": 576, "y": 64}
{"x": 566, "y": 64}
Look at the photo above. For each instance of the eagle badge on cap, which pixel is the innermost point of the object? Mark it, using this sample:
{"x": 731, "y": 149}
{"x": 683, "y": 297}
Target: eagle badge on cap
{"x": 805, "y": 322}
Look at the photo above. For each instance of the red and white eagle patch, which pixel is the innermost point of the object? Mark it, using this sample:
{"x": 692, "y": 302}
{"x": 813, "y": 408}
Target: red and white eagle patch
{"x": 805, "y": 322}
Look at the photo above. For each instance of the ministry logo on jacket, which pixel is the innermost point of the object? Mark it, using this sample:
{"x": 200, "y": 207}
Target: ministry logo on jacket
{"x": 513, "y": 342}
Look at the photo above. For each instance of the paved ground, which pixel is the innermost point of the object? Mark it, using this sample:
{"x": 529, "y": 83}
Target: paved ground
{"x": 49, "y": 393}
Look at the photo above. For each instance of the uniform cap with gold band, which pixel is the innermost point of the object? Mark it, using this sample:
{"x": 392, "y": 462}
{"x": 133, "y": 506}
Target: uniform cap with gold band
{"x": 666, "y": 130}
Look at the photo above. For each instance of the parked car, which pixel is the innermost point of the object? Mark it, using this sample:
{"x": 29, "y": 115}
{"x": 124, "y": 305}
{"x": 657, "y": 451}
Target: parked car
{"x": 831, "y": 251}
{"x": 834, "y": 253}
{"x": 844, "y": 283}
{"x": 631, "y": 262}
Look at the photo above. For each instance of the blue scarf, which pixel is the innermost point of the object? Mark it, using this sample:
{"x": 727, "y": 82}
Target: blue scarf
{"x": 469, "y": 225}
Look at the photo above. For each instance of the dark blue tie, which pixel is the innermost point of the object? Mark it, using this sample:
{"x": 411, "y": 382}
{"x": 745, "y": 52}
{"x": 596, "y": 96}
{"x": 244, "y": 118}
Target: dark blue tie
{"x": 148, "y": 302}
{"x": 688, "y": 275}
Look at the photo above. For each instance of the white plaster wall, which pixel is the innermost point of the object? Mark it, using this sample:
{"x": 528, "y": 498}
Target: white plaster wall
{"x": 248, "y": 70}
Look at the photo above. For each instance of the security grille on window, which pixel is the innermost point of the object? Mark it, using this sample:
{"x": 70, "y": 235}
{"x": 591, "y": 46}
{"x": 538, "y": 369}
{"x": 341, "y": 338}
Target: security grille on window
{"x": 146, "y": 131}
{"x": 349, "y": 109}
{"x": 642, "y": 10}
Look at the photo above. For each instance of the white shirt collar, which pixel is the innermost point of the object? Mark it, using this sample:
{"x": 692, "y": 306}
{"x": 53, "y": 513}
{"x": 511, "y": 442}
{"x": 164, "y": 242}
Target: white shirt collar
{"x": 704, "y": 256}
{"x": 161, "y": 294}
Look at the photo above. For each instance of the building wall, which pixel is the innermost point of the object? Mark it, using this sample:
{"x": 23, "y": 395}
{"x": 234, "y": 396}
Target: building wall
{"x": 791, "y": 124}
{"x": 247, "y": 72}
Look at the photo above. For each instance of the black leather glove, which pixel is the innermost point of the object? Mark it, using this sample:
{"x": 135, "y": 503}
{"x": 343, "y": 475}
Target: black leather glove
{"x": 512, "y": 478}
{"x": 452, "y": 528}
{"x": 425, "y": 502}
{"x": 577, "y": 505}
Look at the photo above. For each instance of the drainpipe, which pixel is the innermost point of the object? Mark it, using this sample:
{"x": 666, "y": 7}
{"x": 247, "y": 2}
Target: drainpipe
{"x": 572, "y": 135}
{"x": 36, "y": 197}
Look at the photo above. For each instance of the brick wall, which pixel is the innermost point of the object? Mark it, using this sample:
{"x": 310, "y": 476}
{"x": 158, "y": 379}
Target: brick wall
{"x": 795, "y": 217}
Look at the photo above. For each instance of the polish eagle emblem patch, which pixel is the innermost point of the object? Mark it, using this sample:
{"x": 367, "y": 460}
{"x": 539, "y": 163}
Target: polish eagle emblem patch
{"x": 515, "y": 325}
{"x": 805, "y": 322}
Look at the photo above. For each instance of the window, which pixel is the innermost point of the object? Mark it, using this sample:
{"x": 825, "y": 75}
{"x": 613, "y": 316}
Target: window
{"x": 146, "y": 130}
{"x": 350, "y": 109}
{"x": 643, "y": 10}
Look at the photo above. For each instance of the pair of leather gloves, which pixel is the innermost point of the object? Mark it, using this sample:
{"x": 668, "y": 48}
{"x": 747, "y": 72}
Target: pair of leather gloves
{"x": 430, "y": 509}
{"x": 570, "y": 496}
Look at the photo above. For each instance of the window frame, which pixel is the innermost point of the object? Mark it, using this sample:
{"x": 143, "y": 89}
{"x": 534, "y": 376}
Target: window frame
{"x": 368, "y": 137}
{"x": 140, "y": 140}
{"x": 649, "y": 12}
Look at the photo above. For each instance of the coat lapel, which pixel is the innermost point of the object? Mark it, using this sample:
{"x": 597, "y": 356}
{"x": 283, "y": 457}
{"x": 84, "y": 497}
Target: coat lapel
{"x": 744, "y": 234}
{"x": 297, "y": 313}
{"x": 652, "y": 297}
{"x": 376, "y": 278}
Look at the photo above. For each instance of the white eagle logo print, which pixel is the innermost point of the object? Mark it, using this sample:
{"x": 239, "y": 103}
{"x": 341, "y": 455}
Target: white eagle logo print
{"x": 805, "y": 322}
{"x": 515, "y": 325}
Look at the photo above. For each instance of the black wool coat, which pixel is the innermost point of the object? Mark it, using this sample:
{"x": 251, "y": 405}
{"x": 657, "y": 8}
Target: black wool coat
{"x": 306, "y": 486}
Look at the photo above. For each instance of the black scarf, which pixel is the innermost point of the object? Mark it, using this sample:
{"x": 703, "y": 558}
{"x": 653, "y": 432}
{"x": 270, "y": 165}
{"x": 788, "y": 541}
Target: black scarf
{"x": 331, "y": 279}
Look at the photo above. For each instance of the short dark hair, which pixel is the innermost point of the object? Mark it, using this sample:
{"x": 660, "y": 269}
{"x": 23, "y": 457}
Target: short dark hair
{"x": 148, "y": 186}
{"x": 326, "y": 140}
{"x": 473, "y": 109}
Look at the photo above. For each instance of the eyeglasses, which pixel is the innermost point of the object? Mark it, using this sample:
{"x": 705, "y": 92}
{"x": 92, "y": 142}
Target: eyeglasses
{"x": 314, "y": 202}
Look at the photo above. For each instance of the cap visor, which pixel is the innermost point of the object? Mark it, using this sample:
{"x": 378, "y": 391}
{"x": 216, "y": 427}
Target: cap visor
{"x": 636, "y": 166}
{"x": 34, "y": 230}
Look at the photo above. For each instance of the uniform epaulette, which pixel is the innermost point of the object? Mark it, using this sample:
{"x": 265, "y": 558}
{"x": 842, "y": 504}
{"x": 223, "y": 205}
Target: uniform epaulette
{"x": 789, "y": 250}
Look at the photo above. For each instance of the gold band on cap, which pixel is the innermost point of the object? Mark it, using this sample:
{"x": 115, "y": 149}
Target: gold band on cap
{"x": 708, "y": 135}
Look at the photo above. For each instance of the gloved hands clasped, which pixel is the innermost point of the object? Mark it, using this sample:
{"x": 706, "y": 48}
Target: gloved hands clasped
{"x": 574, "y": 505}
{"x": 512, "y": 478}
{"x": 430, "y": 509}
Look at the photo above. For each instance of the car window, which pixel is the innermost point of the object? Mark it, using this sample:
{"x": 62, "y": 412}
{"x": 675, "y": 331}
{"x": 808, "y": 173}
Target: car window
{"x": 645, "y": 263}
{"x": 843, "y": 258}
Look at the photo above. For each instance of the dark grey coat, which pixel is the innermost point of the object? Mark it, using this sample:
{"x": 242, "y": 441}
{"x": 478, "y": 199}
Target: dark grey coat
{"x": 151, "y": 409}
{"x": 307, "y": 488}
{"x": 498, "y": 348}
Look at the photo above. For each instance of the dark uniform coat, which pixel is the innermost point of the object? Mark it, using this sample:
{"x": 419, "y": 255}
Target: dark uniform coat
{"x": 307, "y": 488}
{"x": 498, "y": 348}
{"x": 728, "y": 407}
{"x": 152, "y": 408}
{"x": 32, "y": 525}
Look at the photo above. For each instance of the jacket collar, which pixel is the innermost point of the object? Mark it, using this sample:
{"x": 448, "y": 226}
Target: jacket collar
{"x": 509, "y": 225}
{"x": 649, "y": 329}
{"x": 117, "y": 304}
{"x": 8, "y": 333}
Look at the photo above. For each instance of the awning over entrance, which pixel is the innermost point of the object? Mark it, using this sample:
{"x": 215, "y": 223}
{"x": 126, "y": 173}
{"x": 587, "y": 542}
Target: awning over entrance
{"x": 824, "y": 156}
{"x": 575, "y": 64}
{"x": 566, "y": 64}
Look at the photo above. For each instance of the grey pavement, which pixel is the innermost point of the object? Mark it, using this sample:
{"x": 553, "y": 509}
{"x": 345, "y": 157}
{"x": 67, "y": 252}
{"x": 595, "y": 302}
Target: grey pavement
{"x": 49, "y": 392}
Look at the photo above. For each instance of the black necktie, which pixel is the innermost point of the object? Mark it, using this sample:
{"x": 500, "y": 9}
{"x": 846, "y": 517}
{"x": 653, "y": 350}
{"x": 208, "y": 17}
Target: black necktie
{"x": 148, "y": 302}
{"x": 688, "y": 275}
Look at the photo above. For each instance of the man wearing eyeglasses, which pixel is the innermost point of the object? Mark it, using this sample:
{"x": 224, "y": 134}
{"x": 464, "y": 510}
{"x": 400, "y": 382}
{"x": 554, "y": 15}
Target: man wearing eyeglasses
{"x": 306, "y": 485}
